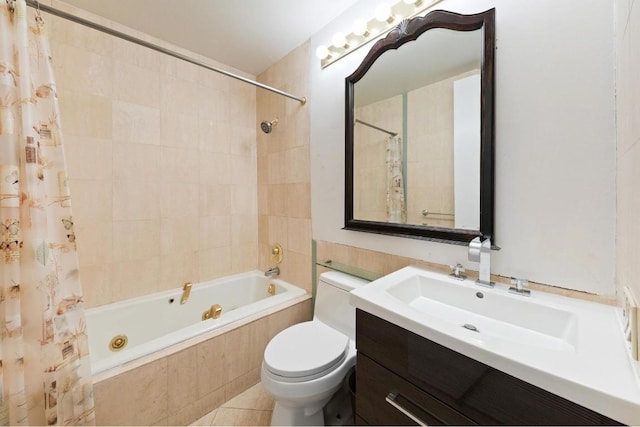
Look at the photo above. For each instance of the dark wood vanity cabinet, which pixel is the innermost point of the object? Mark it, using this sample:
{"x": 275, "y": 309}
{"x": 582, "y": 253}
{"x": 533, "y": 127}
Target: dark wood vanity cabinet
{"x": 398, "y": 371}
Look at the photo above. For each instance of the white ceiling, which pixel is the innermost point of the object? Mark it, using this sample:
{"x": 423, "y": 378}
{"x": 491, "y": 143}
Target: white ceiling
{"x": 249, "y": 35}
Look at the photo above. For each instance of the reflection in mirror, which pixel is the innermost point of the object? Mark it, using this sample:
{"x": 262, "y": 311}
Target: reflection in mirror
{"x": 421, "y": 117}
{"x": 429, "y": 104}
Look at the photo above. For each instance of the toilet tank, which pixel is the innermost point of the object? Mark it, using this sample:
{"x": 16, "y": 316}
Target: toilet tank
{"x": 332, "y": 301}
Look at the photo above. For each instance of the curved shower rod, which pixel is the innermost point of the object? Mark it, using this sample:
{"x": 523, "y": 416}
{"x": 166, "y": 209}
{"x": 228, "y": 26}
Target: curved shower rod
{"x": 59, "y": 13}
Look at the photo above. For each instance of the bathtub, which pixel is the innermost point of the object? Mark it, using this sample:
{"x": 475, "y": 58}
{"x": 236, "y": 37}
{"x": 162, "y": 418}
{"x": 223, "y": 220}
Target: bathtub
{"x": 152, "y": 323}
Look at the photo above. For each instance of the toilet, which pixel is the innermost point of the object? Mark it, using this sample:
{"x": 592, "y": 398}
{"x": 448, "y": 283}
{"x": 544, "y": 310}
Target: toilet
{"x": 305, "y": 364}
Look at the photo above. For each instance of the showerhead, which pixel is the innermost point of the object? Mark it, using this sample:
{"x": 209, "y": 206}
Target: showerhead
{"x": 267, "y": 126}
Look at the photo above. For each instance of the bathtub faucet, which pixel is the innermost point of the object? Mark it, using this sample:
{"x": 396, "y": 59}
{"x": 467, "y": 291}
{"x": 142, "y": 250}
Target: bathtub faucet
{"x": 272, "y": 272}
{"x": 186, "y": 290}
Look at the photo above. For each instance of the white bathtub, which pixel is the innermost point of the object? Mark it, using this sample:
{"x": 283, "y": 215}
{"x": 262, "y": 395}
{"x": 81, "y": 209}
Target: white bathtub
{"x": 154, "y": 322}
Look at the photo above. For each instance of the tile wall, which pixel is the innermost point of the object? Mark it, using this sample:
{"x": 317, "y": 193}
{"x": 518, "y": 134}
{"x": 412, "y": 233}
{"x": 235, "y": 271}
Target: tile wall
{"x": 627, "y": 30}
{"x": 161, "y": 157}
{"x": 384, "y": 263}
{"x": 284, "y": 182}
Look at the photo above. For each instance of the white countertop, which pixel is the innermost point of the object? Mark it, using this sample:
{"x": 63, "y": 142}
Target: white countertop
{"x": 598, "y": 372}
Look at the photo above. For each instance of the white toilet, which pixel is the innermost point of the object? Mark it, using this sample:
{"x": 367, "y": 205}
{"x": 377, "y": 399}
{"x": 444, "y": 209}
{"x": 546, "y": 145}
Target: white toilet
{"x": 305, "y": 364}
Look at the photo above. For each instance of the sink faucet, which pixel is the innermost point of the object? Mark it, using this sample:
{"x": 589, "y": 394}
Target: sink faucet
{"x": 456, "y": 271}
{"x": 480, "y": 251}
{"x": 272, "y": 272}
{"x": 519, "y": 287}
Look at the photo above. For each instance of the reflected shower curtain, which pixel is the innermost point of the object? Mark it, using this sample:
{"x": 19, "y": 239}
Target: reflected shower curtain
{"x": 396, "y": 208}
{"x": 45, "y": 374}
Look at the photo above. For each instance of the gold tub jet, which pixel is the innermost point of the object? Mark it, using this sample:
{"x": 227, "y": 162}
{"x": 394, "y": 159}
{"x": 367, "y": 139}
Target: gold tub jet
{"x": 186, "y": 290}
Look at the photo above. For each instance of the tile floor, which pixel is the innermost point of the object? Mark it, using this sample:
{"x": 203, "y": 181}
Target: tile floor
{"x": 251, "y": 408}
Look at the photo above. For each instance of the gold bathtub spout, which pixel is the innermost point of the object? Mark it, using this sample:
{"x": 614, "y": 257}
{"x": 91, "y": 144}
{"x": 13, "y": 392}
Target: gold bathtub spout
{"x": 186, "y": 290}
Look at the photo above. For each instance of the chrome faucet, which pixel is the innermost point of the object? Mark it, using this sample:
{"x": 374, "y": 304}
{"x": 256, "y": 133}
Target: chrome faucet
{"x": 480, "y": 251}
{"x": 456, "y": 271}
{"x": 519, "y": 287}
{"x": 272, "y": 272}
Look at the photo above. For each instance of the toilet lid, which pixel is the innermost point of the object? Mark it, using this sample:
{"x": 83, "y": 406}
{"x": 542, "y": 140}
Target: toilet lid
{"x": 305, "y": 349}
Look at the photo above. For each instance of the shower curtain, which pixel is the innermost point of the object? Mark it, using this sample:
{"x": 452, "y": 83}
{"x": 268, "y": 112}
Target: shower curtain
{"x": 45, "y": 376}
{"x": 396, "y": 208}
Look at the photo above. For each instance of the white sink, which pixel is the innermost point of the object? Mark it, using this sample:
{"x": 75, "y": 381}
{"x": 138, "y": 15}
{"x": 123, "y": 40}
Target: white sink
{"x": 488, "y": 314}
{"x": 570, "y": 347}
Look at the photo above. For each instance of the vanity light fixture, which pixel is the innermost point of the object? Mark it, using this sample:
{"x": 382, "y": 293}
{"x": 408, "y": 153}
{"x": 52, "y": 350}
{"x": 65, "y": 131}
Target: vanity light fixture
{"x": 322, "y": 52}
{"x": 386, "y": 17}
{"x": 340, "y": 41}
{"x": 360, "y": 28}
{"x": 383, "y": 13}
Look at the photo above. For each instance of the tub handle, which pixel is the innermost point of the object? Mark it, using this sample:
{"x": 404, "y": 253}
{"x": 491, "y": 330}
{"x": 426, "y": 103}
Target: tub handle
{"x": 213, "y": 313}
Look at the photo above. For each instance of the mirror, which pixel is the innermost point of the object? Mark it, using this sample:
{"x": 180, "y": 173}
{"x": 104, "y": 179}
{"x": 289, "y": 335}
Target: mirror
{"x": 419, "y": 131}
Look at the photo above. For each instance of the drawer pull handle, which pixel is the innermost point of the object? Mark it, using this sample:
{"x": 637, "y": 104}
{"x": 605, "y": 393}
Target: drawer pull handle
{"x": 391, "y": 400}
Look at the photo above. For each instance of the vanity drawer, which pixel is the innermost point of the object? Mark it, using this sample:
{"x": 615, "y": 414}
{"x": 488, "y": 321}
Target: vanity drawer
{"x": 384, "y": 398}
{"x": 480, "y": 392}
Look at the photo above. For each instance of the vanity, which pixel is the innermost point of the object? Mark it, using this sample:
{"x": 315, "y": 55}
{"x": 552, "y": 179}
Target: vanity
{"x": 435, "y": 350}
{"x": 422, "y": 381}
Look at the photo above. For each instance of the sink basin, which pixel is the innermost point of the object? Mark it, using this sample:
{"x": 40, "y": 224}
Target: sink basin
{"x": 488, "y": 314}
{"x": 570, "y": 347}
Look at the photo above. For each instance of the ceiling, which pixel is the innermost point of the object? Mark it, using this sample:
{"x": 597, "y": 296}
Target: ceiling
{"x": 249, "y": 35}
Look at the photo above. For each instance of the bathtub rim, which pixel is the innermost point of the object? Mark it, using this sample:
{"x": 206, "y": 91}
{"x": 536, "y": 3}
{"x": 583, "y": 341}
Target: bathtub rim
{"x": 179, "y": 346}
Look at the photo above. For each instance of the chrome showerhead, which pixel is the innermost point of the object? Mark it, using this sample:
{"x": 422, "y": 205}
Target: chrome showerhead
{"x": 267, "y": 126}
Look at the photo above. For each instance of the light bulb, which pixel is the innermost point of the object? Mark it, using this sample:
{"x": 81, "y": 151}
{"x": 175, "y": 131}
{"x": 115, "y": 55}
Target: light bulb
{"x": 322, "y": 52}
{"x": 360, "y": 28}
{"x": 383, "y": 12}
{"x": 339, "y": 40}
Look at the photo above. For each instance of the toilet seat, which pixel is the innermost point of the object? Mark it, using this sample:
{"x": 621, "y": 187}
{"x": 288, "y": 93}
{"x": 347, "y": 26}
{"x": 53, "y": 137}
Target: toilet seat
{"x": 305, "y": 351}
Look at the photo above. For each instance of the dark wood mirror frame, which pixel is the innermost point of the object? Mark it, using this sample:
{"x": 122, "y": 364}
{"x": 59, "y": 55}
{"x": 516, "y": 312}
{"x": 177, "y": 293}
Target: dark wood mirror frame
{"x": 405, "y": 32}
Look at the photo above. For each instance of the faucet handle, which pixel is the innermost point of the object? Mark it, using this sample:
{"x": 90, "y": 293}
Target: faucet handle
{"x": 457, "y": 270}
{"x": 519, "y": 286}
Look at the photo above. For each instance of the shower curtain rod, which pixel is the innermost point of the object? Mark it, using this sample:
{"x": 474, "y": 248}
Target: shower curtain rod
{"x": 59, "y": 13}
{"x": 376, "y": 127}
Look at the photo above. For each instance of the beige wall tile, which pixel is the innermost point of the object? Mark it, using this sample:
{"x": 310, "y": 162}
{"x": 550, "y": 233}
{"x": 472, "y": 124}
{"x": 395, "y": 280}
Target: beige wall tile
{"x": 136, "y": 123}
{"x": 299, "y": 235}
{"x": 135, "y": 162}
{"x": 179, "y": 235}
{"x": 215, "y": 232}
{"x": 244, "y": 257}
{"x": 244, "y": 200}
{"x": 79, "y": 110}
{"x": 179, "y": 200}
{"x": 179, "y": 129}
{"x": 134, "y": 278}
{"x": 210, "y": 363}
{"x": 214, "y": 263}
{"x": 298, "y": 200}
{"x": 203, "y": 407}
{"x": 136, "y": 240}
{"x": 137, "y": 200}
{"x": 180, "y": 165}
{"x": 178, "y": 268}
{"x": 96, "y": 284}
{"x": 96, "y": 78}
{"x": 94, "y": 243}
{"x": 88, "y": 158}
{"x": 215, "y": 168}
{"x": 136, "y": 85}
{"x": 91, "y": 200}
{"x": 117, "y": 399}
{"x": 214, "y": 199}
{"x": 182, "y": 375}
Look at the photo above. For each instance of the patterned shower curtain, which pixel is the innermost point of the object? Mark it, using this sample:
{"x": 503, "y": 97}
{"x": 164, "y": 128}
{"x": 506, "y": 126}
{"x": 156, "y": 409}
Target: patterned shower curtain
{"x": 45, "y": 376}
{"x": 396, "y": 208}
